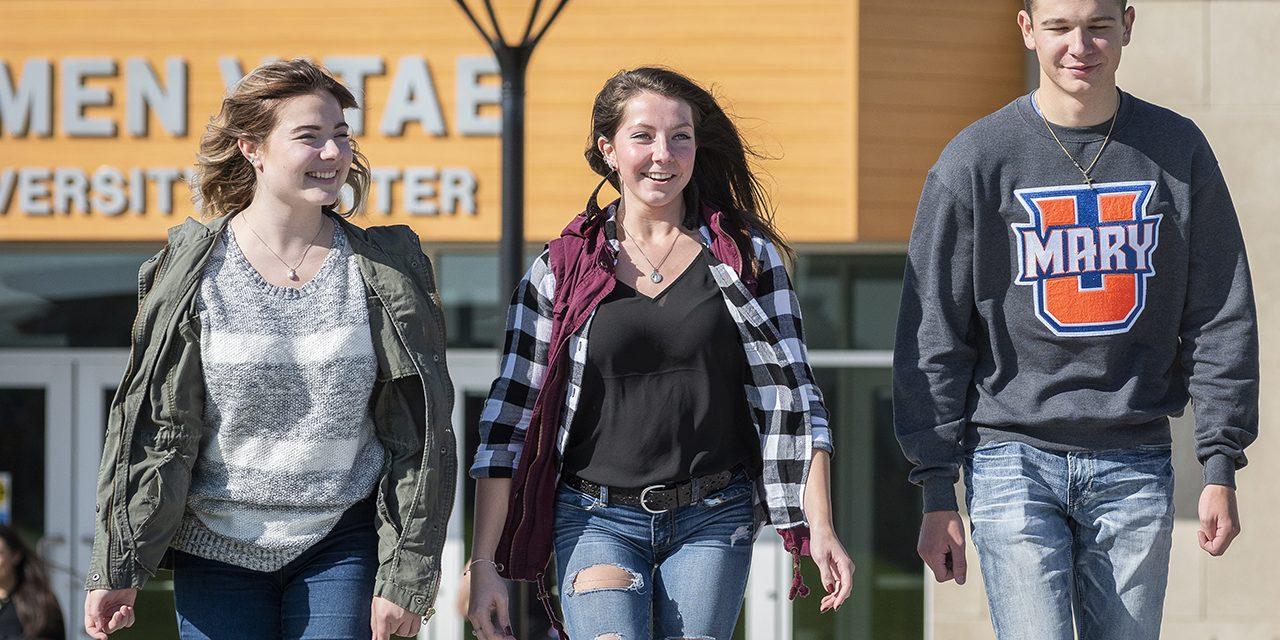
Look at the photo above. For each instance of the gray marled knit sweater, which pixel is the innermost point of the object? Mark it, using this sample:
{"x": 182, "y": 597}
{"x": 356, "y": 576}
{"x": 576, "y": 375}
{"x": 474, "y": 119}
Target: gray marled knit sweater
{"x": 289, "y": 443}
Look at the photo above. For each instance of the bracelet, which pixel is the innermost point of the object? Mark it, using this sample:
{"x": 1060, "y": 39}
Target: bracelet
{"x": 496, "y": 565}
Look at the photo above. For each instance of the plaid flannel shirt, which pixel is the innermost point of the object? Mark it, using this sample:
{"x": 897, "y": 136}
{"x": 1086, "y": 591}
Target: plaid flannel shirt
{"x": 786, "y": 404}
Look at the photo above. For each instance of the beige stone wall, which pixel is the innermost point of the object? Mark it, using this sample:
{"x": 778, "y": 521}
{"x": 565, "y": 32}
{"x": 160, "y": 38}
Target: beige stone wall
{"x": 1214, "y": 61}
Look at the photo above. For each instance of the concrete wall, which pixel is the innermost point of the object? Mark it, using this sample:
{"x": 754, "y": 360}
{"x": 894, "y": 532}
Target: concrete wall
{"x": 1215, "y": 62}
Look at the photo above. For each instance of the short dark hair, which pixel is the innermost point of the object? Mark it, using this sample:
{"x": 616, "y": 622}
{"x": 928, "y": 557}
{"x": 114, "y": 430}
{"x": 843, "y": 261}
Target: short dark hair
{"x": 1026, "y": 4}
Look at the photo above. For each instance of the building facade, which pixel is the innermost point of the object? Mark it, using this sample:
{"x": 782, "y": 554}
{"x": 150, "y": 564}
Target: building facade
{"x": 102, "y": 106}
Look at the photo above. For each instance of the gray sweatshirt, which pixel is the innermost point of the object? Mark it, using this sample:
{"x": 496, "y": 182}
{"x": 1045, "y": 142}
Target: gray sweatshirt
{"x": 1038, "y": 309}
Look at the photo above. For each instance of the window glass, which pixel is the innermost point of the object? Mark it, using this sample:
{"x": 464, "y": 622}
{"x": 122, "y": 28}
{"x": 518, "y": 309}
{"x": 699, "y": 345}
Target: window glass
{"x": 475, "y": 311}
{"x": 849, "y": 301}
{"x": 877, "y": 516}
{"x": 64, "y": 299}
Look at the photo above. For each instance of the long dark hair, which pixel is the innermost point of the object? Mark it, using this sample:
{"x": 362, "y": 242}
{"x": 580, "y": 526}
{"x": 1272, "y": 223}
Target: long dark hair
{"x": 32, "y": 598}
{"x": 722, "y": 175}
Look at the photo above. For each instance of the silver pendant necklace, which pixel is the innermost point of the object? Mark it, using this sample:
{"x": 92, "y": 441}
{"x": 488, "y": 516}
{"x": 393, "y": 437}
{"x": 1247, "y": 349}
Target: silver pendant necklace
{"x": 654, "y": 276}
{"x": 293, "y": 270}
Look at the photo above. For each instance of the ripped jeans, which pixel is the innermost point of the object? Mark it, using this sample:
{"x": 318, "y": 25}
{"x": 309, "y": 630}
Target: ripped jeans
{"x": 626, "y": 574}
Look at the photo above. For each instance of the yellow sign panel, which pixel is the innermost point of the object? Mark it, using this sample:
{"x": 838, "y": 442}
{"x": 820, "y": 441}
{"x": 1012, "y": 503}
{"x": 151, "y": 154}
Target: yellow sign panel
{"x": 102, "y": 105}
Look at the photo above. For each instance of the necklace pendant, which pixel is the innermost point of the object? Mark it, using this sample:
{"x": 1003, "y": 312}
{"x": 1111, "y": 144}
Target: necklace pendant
{"x": 293, "y": 275}
{"x": 655, "y": 277}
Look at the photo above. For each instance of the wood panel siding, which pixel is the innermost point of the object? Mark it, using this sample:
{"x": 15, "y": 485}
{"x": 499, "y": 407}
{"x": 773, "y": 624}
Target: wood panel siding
{"x": 787, "y": 69}
{"x": 927, "y": 69}
{"x": 852, "y": 99}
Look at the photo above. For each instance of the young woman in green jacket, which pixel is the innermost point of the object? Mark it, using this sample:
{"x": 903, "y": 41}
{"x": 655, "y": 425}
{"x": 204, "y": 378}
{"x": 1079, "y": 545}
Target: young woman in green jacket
{"x": 282, "y": 432}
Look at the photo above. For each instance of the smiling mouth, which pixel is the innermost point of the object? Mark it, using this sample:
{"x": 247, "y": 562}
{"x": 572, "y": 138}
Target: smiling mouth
{"x": 659, "y": 176}
{"x": 322, "y": 175}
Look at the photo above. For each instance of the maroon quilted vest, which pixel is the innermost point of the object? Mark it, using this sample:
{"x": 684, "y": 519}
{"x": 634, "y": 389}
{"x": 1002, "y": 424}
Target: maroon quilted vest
{"x": 582, "y": 261}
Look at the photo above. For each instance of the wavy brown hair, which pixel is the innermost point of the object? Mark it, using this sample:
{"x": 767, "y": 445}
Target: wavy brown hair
{"x": 224, "y": 179}
{"x": 722, "y": 175}
{"x": 32, "y": 598}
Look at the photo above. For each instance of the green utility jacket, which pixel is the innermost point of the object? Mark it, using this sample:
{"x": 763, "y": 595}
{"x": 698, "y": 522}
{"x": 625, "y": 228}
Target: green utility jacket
{"x": 155, "y": 425}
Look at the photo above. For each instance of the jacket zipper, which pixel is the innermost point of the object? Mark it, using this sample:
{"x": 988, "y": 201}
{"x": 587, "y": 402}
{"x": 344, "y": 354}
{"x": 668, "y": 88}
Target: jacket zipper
{"x": 142, "y": 300}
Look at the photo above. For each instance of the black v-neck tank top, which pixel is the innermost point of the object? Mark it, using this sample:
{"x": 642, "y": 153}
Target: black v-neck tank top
{"x": 662, "y": 395}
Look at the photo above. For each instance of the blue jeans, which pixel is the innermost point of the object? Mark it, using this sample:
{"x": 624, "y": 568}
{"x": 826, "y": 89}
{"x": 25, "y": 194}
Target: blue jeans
{"x": 1084, "y": 530}
{"x": 323, "y": 594}
{"x": 685, "y": 570}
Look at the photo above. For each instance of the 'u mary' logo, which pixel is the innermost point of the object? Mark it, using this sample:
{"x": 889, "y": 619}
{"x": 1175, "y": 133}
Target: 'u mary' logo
{"x": 1087, "y": 252}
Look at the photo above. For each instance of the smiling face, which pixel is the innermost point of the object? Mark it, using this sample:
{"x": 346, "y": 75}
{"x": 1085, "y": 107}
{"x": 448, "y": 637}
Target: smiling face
{"x": 305, "y": 159}
{"x": 653, "y": 150}
{"x": 1077, "y": 43}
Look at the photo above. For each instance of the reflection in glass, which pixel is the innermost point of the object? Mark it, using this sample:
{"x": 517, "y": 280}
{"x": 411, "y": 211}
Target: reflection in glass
{"x": 63, "y": 299}
{"x": 849, "y": 301}
{"x": 22, "y": 455}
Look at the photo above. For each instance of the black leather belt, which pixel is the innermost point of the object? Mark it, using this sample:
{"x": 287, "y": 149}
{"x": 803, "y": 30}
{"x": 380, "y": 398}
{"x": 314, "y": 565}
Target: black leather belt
{"x": 659, "y": 498}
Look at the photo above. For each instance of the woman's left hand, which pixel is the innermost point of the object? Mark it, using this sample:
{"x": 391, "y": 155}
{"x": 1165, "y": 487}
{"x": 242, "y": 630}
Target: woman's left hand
{"x": 388, "y": 618}
{"x": 835, "y": 566}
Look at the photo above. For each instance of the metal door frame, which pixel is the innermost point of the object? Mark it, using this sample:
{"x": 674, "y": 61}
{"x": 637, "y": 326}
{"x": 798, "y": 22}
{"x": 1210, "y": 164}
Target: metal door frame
{"x": 52, "y": 372}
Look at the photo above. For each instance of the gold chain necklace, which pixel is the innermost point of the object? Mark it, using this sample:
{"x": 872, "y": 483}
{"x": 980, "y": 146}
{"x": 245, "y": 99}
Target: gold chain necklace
{"x": 1088, "y": 180}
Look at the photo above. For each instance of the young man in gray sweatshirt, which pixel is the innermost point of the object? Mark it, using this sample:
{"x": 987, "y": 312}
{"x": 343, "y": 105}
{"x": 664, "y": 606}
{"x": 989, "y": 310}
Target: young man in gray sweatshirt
{"x": 1076, "y": 274}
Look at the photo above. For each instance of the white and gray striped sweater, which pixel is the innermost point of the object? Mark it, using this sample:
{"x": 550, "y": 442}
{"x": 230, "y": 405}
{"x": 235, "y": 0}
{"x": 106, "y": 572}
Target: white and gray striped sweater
{"x": 289, "y": 444}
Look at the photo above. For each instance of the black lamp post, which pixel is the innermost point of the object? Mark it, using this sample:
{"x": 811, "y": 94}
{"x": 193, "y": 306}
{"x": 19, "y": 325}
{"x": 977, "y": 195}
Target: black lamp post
{"x": 513, "y": 60}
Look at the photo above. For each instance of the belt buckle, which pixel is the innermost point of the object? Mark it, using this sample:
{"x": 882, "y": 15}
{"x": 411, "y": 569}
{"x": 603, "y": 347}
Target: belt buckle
{"x": 644, "y": 494}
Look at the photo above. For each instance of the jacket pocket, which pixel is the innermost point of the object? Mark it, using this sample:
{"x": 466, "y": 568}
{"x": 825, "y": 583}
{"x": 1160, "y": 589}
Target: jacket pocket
{"x": 156, "y": 504}
{"x": 393, "y": 361}
{"x": 385, "y": 488}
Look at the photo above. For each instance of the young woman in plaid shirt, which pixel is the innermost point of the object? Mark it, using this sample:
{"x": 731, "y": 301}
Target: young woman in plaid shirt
{"x": 650, "y": 460}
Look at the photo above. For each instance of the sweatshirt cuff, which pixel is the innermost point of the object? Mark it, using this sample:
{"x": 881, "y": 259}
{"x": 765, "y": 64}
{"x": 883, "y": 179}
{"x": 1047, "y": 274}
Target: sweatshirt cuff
{"x": 939, "y": 494}
{"x": 1220, "y": 469}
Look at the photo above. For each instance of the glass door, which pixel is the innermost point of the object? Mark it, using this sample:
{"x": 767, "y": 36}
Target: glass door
{"x": 471, "y": 371}
{"x": 97, "y": 373}
{"x": 37, "y": 453}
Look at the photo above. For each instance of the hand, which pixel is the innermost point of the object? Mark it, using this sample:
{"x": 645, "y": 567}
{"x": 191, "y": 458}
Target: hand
{"x": 107, "y": 611}
{"x": 941, "y": 545}
{"x": 834, "y": 565}
{"x": 488, "y": 597}
{"x": 387, "y": 618}
{"x": 463, "y": 600}
{"x": 1219, "y": 519}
